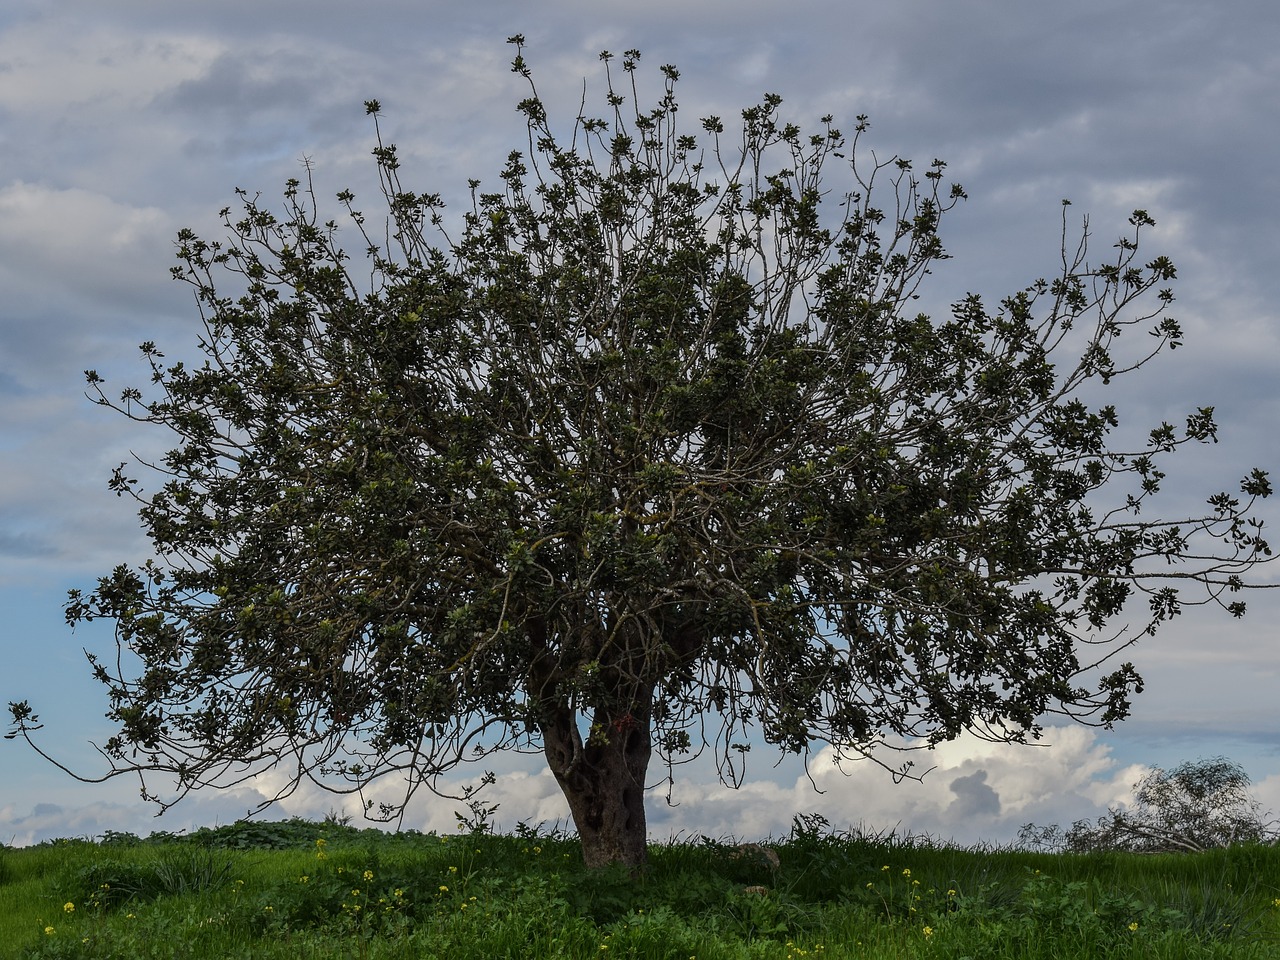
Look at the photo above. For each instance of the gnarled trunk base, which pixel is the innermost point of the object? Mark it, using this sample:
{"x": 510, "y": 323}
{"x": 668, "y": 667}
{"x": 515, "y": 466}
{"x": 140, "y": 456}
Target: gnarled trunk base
{"x": 603, "y": 780}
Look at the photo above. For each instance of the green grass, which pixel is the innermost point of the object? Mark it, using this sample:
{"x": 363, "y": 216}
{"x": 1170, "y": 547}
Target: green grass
{"x": 308, "y": 890}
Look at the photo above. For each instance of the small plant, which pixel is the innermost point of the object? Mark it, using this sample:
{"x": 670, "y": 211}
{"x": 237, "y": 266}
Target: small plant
{"x": 335, "y": 818}
{"x": 1050, "y": 839}
{"x": 175, "y": 871}
{"x": 188, "y": 871}
{"x": 119, "y": 838}
{"x": 480, "y": 820}
{"x": 759, "y": 914}
{"x": 107, "y": 883}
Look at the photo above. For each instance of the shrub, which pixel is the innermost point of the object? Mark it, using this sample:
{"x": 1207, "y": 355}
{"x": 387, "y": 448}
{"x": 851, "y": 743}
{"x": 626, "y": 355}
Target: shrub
{"x": 1193, "y": 807}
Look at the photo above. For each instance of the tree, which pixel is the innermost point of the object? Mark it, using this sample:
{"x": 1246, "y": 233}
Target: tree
{"x": 1195, "y": 806}
{"x": 649, "y": 450}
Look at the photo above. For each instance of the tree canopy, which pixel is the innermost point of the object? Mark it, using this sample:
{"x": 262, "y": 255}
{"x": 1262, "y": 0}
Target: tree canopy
{"x": 1194, "y": 807}
{"x": 649, "y": 448}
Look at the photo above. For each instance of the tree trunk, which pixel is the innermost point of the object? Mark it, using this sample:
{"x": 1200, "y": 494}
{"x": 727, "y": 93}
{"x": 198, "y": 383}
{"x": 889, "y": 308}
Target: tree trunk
{"x": 603, "y": 780}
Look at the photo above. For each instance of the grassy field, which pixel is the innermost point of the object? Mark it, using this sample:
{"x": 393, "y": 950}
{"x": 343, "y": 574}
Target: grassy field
{"x": 323, "y": 890}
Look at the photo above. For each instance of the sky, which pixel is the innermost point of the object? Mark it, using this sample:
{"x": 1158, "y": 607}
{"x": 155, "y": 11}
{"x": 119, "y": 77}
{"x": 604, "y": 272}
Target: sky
{"x": 123, "y": 122}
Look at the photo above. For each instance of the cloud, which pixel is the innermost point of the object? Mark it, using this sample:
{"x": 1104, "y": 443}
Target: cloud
{"x": 65, "y": 250}
{"x": 1267, "y": 793}
{"x": 24, "y": 545}
{"x": 974, "y": 797}
{"x": 49, "y": 821}
{"x": 976, "y": 792}
{"x": 57, "y": 517}
{"x": 91, "y": 71}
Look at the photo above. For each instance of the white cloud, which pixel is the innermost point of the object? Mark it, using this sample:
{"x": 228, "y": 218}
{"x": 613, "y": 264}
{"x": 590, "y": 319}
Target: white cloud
{"x": 59, "y": 241}
{"x": 976, "y": 791}
{"x": 1267, "y": 793}
{"x": 68, "y": 71}
{"x": 47, "y": 821}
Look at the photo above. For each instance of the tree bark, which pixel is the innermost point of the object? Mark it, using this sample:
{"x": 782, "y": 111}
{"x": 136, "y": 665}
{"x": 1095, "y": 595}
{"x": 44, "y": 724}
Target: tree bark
{"x": 603, "y": 779}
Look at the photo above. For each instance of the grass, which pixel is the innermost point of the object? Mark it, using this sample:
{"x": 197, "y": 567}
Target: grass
{"x": 323, "y": 890}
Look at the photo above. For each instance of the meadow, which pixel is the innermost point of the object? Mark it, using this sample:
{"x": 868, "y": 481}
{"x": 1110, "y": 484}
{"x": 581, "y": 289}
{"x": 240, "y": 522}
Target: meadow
{"x": 298, "y": 889}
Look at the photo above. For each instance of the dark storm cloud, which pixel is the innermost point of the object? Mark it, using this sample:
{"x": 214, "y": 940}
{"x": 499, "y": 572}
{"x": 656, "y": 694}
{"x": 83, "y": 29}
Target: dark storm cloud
{"x": 974, "y": 797}
{"x": 239, "y": 85}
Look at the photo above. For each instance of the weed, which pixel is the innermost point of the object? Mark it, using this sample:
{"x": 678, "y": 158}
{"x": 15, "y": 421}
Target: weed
{"x": 179, "y": 871}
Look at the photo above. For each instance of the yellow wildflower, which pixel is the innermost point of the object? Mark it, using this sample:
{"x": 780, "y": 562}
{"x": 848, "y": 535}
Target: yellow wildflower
{"x": 69, "y": 907}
